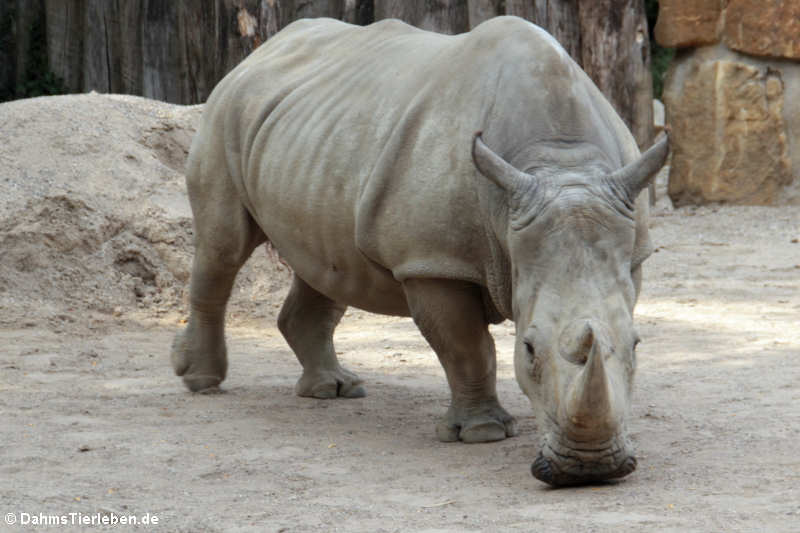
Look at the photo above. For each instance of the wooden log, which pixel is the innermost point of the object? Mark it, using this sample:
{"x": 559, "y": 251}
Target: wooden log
{"x": 177, "y": 51}
{"x": 171, "y": 51}
{"x": 615, "y": 53}
{"x": 483, "y": 10}
{"x": 65, "y": 37}
{"x": 443, "y": 16}
{"x": 360, "y": 12}
{"x": 20, "y": 22}
{"x": 7, "y": 44}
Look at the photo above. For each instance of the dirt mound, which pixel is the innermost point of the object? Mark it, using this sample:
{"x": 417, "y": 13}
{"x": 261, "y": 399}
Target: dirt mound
{"x": 60, "y": 251}
{"x": 94, "y": 217}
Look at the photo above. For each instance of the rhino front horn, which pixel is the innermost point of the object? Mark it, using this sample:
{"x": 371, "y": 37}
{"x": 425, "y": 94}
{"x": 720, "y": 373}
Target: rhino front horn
{"x": 634, "y": 177}
{"x": 590, "y": 407}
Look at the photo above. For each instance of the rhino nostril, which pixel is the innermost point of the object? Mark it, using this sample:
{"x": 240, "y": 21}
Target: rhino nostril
{"x": 627, "y": 466}
{"x": 542, "y": 470}
{"x": 579, "y": 358}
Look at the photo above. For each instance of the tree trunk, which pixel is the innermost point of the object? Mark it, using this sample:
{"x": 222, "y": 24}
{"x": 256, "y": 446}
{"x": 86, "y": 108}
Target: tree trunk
{"x": 218, "y": 37}
{"x": 522, "y": 8}
{"x": 28, "y": 14}
{"x": 177, "y": 51}
{"x": 443, "y": 16}
{"x": 360, "y": 12}
{"x": 558, "y": 17}
{"x": 7, "y": 44}
{"x": 20, "y": 31}
{"x": 66, "y": 20}
{"x": 172, "y": 51}
{"x": 615, "y": 53}
{"x": 483, "y": 10}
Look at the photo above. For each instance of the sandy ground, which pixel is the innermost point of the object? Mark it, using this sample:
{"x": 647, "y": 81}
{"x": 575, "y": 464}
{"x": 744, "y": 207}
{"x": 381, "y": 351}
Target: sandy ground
{"x": 94, "y": 236}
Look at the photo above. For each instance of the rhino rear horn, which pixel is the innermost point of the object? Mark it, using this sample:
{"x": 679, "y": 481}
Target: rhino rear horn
{"x": 634, "y": 177}
{"x": 495, "y": 167}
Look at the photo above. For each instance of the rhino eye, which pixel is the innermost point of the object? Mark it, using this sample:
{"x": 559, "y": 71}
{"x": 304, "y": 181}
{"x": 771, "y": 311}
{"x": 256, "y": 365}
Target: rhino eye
{"x": 535, "y": 363}
{"x": 529, "y": 349}
{"x": 636, "y": 342}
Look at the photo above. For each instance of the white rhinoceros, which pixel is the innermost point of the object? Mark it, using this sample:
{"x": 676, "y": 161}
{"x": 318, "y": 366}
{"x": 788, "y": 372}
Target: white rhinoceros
{"x": 353, "y": 150}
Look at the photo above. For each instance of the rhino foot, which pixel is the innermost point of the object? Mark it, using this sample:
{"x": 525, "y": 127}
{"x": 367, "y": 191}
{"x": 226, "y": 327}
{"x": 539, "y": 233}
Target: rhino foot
{"x": 201, "y": 370}
{"x": 330, "y": 384}
{"x": 483, "y": 424}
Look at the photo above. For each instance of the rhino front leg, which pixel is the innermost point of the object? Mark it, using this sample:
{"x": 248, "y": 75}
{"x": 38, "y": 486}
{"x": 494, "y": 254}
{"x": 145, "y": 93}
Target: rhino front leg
{"x": 307, "y": 321}
{"x": 450, "y": 314}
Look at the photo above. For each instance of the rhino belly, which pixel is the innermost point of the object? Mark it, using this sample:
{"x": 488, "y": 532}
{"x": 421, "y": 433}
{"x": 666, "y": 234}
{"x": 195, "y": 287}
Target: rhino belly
{"x": 320, "y": 247}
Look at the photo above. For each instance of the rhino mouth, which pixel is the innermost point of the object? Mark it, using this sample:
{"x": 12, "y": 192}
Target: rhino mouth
{"x": 566, "y": 463}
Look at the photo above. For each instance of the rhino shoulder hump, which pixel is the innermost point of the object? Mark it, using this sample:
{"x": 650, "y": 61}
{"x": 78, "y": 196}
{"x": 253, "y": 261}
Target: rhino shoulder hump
{"x": 512, "y": 30}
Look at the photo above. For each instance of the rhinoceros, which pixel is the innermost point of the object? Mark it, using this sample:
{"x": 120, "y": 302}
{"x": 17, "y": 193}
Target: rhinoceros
{"x": 460, "y": 180}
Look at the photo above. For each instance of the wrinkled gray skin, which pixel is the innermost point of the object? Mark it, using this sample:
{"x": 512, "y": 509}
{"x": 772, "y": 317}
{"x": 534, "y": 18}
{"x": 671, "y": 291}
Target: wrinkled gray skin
{"x": 353, "y": 150}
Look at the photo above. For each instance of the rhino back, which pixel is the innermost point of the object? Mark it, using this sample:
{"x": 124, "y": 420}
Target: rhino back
{"x": 351, "y": 145}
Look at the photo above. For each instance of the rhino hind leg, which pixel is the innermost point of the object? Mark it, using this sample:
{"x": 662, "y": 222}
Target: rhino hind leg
{"x": 225, "y": 236}
{"x": 199, "y": 353}
{"x": 450, "y": 314}
{"x": 307, "y": 320}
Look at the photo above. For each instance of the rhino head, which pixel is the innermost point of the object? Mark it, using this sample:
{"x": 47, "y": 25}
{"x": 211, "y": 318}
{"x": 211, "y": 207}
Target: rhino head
{"x": 570, "y": 238}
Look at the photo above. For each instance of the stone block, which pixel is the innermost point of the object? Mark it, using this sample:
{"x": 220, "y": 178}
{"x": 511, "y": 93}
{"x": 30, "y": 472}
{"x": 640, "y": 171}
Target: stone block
{"x": 763, "y": 27}
{"x": 729, "y": 134}
{"x": 683, "y": 23}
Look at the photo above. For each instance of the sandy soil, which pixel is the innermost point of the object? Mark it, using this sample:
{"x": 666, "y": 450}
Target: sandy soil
{"x": 95, "y": 239}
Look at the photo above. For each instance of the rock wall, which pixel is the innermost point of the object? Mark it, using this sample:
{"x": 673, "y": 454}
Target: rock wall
{"x": 732, "y": 99}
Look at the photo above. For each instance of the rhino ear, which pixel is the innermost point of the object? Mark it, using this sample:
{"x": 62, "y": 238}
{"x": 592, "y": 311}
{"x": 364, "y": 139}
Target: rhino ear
{"x": 495, "y": 167}
{"x": 634, "y": 177}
